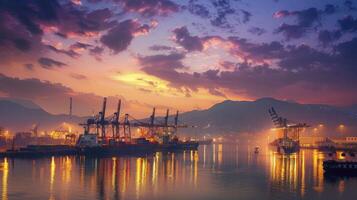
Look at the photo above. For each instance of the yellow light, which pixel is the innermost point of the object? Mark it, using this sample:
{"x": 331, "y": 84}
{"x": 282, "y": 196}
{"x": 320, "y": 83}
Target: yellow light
{"x": 141, "y": 79}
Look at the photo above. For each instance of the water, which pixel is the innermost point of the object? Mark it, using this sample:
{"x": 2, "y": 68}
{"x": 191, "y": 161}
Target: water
{"x": 220, "y": 171}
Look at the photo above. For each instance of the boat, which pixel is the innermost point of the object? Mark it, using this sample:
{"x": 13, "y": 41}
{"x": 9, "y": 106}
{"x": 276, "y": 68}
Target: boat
{"x": 40, "y": 151}
{"x": 286, "y": 145}
{"x": 256, "y": 150}
{"x": 174, "y": 144}
{"x": 340, "y": 163}
{"x": 335, "y": 167}
{"x": 89, "y": 145}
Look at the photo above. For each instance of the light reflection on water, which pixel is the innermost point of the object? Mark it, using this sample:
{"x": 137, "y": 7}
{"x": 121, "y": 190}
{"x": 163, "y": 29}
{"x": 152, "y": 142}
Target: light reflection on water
{"x": 219, "y": 171}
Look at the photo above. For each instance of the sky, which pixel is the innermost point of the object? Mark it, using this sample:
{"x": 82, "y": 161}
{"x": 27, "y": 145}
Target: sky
{"x": 184, "y": 55}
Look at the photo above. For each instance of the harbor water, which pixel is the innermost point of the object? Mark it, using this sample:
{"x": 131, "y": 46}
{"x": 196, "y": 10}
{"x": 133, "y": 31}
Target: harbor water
{"x": 217, "y": 171}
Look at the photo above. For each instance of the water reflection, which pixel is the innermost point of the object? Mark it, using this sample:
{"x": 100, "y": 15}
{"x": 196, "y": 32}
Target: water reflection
{"x": 217, "y": 171}
{"x": 5, "y": 171}
{"x": 291, "y": 173}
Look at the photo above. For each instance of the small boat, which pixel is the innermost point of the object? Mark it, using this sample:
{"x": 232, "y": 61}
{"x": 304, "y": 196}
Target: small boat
{"x": 256, "y": 150}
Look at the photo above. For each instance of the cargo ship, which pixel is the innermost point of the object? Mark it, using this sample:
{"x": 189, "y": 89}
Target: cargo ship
{"x": 40, "y": 151}
{"x": 286, "y": 145}
{"x": 89, "y": 145}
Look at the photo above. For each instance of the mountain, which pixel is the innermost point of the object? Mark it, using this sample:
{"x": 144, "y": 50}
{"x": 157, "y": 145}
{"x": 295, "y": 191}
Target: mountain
{"x": 23, "y": 102}
{"x": 252, "y": 116}
{"x": 21, "y": 115}
{"x": 227, "y": 117}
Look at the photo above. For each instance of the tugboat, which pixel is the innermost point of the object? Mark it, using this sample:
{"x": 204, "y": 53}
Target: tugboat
{"x": 347, "y": 165}
{"x": 256, "y": 150}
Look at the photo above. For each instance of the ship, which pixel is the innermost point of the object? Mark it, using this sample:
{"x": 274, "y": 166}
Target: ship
{"x": 286, "y": 145}
{"x": 174, "y": 144}
{"x": 89, "y": 145}
{"x": 334, "y": 167}
{"x": 340, "y": 163}
{"x": 289, "y": 142}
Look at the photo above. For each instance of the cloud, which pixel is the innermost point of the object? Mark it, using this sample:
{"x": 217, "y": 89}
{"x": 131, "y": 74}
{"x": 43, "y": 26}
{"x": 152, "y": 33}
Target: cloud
{"x": 198, "y": 9}
{"x": 49, "y": 63}
{"x": 257, "y": 31}
{"x": 29, "y": 66}
{"x": 327, "y": 37}
{"x": 96, "y": 52}
{"x": 348, "y": 23}
{"x": 291, "y": 31}
{"x": 71, "y": 53}
{"x": 255, "y": 52}
{"x": 305, "y": 20}
{"x": 78, "y": 76}
{"x": 330, "y": 9}
{"x": 23, "y": 24}
{"x": 349, "y": 5}
{"x": 150, "y": 8}
{"x": 305, "y": 17}
{"x": 162, "y": 61}
{"x": 246, "y": 16}
{"x": 161, "y": 48}
{"x": 295, "y": 69}
{"x": 119, "y": 38}
{"x": 183, "y": 38}
{"x": 79, "y": 46}
{"x": 238, "y": 47}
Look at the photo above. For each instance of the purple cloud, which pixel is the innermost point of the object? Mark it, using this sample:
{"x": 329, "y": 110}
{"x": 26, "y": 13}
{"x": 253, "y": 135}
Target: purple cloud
{"x": 119, "y": 38}
{"x": 49, "y": 63}
{"x": 183, "y": 38}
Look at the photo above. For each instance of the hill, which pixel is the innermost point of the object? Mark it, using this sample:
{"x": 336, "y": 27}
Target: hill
{"x": 21, "y": 115}
{"x": 252, "y": 116}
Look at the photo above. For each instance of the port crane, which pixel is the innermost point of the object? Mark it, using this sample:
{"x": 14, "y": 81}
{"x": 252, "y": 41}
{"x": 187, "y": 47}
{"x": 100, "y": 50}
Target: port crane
{"x": 286, "y": 125}
{"x": 102, "y": 124}
{"x": 289, "y": 143}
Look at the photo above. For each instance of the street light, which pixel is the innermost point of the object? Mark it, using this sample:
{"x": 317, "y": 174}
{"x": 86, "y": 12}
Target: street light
{"x": 341, "y": 128}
